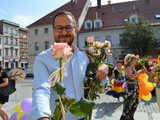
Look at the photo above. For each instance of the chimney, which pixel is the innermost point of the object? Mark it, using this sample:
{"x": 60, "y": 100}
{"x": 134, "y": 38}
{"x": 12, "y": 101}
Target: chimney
{"x": 109, "y": 2}
{"x": 99, "y": 3}
{"x": 74, "y": 1}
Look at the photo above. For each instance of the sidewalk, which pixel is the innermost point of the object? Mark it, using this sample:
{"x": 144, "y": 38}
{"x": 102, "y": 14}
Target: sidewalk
{"x": 108, "y": 108}
{"x": 23, "y": 90}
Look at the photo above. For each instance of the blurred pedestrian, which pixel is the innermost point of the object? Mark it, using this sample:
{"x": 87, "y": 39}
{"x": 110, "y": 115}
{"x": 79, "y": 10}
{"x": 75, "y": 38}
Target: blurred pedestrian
{"x": 131, "y": 98}
{"x": 4, "y": 80}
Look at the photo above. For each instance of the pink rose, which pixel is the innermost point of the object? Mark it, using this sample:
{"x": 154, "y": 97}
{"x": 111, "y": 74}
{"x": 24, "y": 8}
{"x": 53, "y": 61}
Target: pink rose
{"x": 102, "y": 71}
{"x": 90, "y": 39}
{"x": 61, "y": 50}
{"x": 98, "y": 44}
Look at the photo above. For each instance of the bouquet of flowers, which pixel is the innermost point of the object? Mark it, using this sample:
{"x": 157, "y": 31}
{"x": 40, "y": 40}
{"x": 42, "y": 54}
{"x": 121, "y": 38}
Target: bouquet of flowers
{"x": 62, "y": 52}
{"x": 97, "y": 53}
{"x": 158, "y": 72}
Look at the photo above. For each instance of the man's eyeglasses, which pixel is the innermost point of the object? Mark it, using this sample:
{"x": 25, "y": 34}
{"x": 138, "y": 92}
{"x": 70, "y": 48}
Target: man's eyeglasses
{"x": 67, "y": 28}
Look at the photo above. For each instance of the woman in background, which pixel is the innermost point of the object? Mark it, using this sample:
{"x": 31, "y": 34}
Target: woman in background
{"x": 3, "y": 98}
{"x": 131, "y": 98}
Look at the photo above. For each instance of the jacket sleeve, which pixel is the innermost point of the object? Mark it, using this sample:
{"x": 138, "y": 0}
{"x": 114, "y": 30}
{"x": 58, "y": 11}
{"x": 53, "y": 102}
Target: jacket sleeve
{"x": 41, "y": 91}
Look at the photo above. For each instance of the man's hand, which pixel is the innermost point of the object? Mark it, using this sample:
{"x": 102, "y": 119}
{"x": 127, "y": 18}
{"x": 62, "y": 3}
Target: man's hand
{"x": 43, "y": 118}
{"x": 102, "y": 72}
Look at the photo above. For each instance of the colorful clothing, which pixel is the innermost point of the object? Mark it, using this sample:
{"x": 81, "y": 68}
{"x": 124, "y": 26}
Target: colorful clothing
{"x": 131, "y": 100}
{"x": 117, "y": 84}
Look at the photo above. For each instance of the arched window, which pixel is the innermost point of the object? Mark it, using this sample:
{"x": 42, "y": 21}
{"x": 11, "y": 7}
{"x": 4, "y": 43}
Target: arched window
{"x": 97, "y": 23}
{"x": 133, "y": 18}
{"x": 88, "y": 24}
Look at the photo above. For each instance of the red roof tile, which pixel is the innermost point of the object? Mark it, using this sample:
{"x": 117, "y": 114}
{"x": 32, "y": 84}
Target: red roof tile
{"x": 113, "y": 15}
{"x": 74, "y": 8}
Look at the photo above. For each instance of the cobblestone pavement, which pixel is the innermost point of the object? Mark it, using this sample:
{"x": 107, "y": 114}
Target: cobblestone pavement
{"x": 23, "y": 90}
{"x": 107, "y": 107}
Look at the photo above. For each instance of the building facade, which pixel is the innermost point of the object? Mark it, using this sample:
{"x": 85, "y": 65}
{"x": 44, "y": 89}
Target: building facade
{"x": 23, "y": 48}
{"x": 41, "y": 31}
{"x": 105, "y": 22}
{"x": 9, "y": 44}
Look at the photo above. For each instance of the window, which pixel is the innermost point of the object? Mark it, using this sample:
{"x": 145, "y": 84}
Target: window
{"x": 157, "y": 16}
{"x": 98, "y": 23}
{"x": 6, "y": 41}
{"x": 125, "y": 19}
{"x": 46, "y": 44}
{"x": 88, "y": 24}
{"x": 36, "y": 31}
{"x": 16, "y": 52}
{"x": 16, "y": 42}
{"x": 45, "y": 30}
{"x": 12, "y": 49}
{"x": 109, "y": 38}
{"x": 36, "y": 46}
{"x": 133, "y": 19}
{"x": 11, "y": 40}
{"x": 122, "y": 42}
{"x": 6, "y": 51}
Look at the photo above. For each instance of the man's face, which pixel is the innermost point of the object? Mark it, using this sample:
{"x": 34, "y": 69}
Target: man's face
{"x": 64, "y": 29}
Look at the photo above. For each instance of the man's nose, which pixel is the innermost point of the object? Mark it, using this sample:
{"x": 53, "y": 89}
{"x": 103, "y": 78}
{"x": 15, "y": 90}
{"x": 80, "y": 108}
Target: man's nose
{"x": 64, "y": 31}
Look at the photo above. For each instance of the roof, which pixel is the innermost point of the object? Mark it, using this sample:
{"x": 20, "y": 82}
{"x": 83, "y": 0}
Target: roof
{"x": 23, "y": 29}
{"x": 74, "y": 8}
{"x": 9, "y": 22}
{"x": 112, "y": 15}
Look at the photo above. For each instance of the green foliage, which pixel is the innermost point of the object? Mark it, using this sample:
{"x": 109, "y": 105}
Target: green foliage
{"x": 139, "y": 37}
{"x": 58, "y": 88}
{"x": 82, "y": 108}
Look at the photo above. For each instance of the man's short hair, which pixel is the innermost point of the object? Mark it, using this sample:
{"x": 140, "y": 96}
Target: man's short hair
{"x": 64, "y": 13}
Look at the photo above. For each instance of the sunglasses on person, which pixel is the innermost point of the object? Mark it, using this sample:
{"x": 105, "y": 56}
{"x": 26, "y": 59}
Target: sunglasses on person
{"x": 68, "y": 28}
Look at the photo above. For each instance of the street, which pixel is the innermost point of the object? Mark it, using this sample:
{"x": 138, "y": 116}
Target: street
{"x": 107, "y": 107}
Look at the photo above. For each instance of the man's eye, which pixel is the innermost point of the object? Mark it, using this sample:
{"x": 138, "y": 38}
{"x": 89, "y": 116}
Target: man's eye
{"x": 69, "y": 27}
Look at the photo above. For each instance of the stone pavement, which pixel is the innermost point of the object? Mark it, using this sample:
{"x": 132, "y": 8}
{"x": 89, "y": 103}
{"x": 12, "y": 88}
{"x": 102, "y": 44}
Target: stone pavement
{"x": 107, "y": 107}
{"x": 23, "y": 90}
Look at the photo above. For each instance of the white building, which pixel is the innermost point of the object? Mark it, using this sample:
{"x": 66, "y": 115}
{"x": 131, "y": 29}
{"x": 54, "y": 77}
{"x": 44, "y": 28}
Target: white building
{"x": 106, "y": 22}
{"x": 9, "y": 44}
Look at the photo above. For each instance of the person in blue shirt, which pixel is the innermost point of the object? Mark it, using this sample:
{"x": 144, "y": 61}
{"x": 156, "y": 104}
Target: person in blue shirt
{"x": 43, "y": 98}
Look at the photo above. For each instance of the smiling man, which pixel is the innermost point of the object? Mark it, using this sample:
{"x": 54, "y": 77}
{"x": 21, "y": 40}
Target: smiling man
{"x": 65, "y": 30}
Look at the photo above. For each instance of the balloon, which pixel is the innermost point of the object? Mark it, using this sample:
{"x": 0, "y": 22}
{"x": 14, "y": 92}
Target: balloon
{"x": 147, "y": 98}
{"x": 20, "y": 115}
{"x": 13, "y": 116}
{"x": 145, "y": 87}
{"x": 124, "y": 85}
{"x": 17, "y": 108}
{"x": 24, "y": 118}
{"x": 26, "y": 105}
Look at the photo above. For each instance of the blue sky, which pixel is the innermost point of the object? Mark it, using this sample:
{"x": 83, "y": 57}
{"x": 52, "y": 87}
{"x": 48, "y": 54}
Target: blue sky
{"x": 25, "y": 12}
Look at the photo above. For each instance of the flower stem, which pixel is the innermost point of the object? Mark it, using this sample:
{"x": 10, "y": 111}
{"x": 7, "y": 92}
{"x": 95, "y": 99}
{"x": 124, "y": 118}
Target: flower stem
{"x": 62, "y": 108}
{"x": 60, "y": 72}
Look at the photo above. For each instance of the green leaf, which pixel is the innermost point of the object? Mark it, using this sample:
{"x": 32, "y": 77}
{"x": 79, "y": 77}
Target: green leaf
{"x": 57, "y": 113}
{"x": 58, "y": 88}
{"x": 82, "y": 108}
{"x": 69, "y": 102}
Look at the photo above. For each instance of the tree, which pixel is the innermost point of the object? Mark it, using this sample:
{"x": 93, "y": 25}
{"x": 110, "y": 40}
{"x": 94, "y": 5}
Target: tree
{"x": 139, "y": 37}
